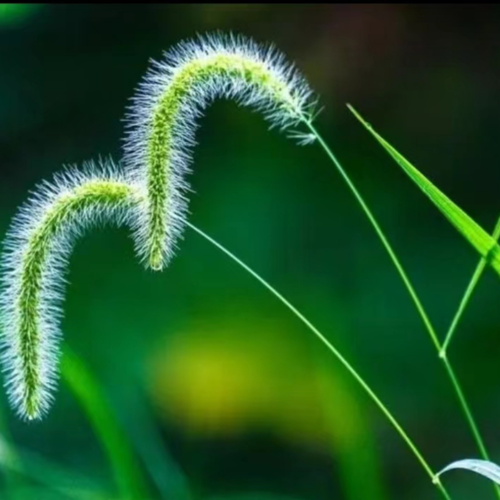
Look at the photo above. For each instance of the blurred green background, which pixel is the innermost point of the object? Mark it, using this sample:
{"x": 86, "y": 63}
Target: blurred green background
{"x": 213, "y": 381}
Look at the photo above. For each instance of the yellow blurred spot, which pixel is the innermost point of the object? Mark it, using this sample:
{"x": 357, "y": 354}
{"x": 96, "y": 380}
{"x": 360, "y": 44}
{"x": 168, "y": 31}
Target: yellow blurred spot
{"x": 208, "y": 386}
{"x": 244, "y": 374}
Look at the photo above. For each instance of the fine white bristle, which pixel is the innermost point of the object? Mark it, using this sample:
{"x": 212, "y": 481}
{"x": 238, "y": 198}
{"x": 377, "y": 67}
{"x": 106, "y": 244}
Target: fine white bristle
{"x": 52, "y": 282}
{"x": 284, "y": 110}
{"x": 151, "y": 199}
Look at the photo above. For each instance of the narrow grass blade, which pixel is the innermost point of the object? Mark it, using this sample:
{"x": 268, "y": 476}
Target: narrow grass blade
{"x": 144, "y": 436}
{"x": 67, "y": 483}
{"x": 477, "y": 237}
{"x": 483, "y": 467}
{"x": 87, "y": 391}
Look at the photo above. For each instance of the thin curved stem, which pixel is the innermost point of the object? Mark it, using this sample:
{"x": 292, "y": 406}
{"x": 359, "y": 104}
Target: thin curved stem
{"x": 481, "y": 265}
{"x": 441, "y": 349}
{"x": 380, "y": 233}
{"x": 465, "y": 406}
{"x": 443, "y": 354}
{"x": 418, "y": 455}
{"x": 468, "y": 413}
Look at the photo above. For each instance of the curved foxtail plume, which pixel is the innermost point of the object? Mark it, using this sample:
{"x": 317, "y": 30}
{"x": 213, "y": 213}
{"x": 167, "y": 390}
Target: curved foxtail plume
{"x": 34, "y": 260}
{"x": 148, "y": 195}
{"x": 162, "y": 122}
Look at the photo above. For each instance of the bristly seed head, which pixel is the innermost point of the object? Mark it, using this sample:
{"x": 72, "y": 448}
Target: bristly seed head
{"x": 162, "y": 122}
{"x": 148, "y": 195}
{"x": 34, "y": 260}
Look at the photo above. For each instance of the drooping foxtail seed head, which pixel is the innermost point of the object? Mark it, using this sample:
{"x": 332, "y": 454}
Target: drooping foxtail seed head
{"x": 148, "y": 196}
{"x": 162, "y": 122}
{"x": 34, "y": 260}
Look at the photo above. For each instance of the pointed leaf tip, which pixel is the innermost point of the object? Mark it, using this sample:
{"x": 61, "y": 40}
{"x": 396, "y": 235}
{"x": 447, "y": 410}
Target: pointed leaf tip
{"x": 470, "y": 230}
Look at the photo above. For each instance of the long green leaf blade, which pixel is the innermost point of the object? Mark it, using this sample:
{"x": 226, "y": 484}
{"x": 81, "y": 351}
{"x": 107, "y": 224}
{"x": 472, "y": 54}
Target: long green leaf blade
{"x": 90, "y": 397}
{"x": 473, "y": 233}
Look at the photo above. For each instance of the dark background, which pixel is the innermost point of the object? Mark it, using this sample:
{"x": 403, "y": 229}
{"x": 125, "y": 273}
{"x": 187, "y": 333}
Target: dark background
{"x": 200, "y": 363}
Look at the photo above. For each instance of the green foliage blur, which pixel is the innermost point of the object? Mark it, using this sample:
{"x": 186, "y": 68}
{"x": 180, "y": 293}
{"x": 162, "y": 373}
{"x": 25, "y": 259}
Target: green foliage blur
{"x": 219, "y": 391}
{"x": 15, "y": 14}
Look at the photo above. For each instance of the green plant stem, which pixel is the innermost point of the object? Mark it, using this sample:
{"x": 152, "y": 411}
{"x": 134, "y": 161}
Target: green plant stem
{"x": 418, "y": 304}
{"x": 443, "y": 354}
{"x": 81, "y": 382}
{"x": 468, "y": 413}
{"x": 380, "y": 233}
{"x": 418, "y": 455}
{"x": 481, "y": 265}
{"x": 466, "y": 409}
